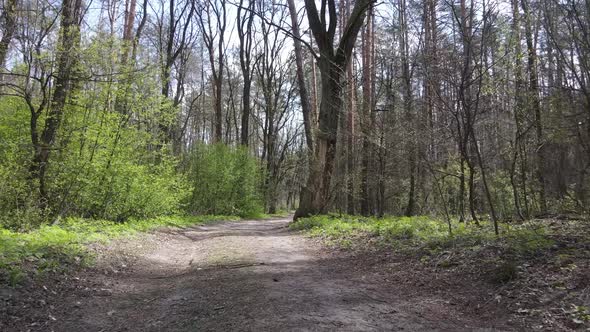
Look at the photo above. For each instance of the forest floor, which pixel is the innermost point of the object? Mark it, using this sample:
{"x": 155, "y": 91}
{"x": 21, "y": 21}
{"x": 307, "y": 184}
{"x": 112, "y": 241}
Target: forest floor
{"x": 254, "y": 275}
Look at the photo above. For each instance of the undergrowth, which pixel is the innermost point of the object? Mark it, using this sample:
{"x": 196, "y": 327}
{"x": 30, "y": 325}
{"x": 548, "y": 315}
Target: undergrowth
{"x": 52, "y": 248}
{"x": 423, "y": 233}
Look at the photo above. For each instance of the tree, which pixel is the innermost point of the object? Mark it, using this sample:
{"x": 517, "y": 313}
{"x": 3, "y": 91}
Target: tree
{"x": 244, "y": 24}
{"x": 535, "y": 104}
{"x": 213, "y": 38}
{"x": 306, "y": 107}
{"x": 332, "y": 63}
{"x": 408, "y": 106}
{"x": 368, "y": 105}
{"x": 69, "y": 41}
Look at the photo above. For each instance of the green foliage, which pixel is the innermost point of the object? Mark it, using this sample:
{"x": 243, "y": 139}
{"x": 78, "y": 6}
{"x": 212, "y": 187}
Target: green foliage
{"x": 425, "y": 233}
{"x": 528, "y": 239}
{"x": 45, "y": 248}
{"x": 449, "y": 184}
{"x": 386, "y": 229}
{"x": 502, "y": 195}
{"x": 429, "y": 240}
{"x": 17, "y": 204}
{"x": 580, "y": 314}
{"x": 53, "y": 247}
{"x": 105, "y": 164}
{"x": 225, "y": 181}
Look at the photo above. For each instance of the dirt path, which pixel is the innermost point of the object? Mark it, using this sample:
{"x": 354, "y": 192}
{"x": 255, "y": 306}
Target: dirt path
{"x": 242, "y": 276}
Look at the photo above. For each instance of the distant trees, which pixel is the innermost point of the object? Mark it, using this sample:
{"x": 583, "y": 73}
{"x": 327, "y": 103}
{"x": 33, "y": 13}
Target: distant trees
{"x": 212, "y": 20}
{"x": 471, "y": 108}
{"x": 467, "y": 137}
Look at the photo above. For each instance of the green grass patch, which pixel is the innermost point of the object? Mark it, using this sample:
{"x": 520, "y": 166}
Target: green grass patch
{"x": 423, "y": 233}
{"x": 54, "y": 247}
{"x": 278, "y": 214}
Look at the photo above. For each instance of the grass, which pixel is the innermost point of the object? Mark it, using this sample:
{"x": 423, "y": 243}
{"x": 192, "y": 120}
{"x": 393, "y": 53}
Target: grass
{"x": 428, "y": 240}
{"x": 54, "y": 247}
{"x": 422, "y": 233}
{"x": 278, "y": 214}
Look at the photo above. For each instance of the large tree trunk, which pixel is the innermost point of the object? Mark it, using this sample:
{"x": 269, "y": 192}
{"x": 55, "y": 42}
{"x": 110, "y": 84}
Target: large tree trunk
{"x": 315, "y": 197}
{"x": 245, "y": 121}
{"x": 121, "y": 102}
{"x": 350, "y": 135}
{"x": 128, "y": 27}
{"x": 332, "y": 63}
{"x": 244, "y": 25}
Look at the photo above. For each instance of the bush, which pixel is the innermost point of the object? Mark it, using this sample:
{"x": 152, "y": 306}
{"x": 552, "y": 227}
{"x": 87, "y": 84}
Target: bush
{"x": 102, "y": 167}
{"x": 17, "y": 199}
{"x": 225, "y": 181}
{"x": 121, "y": 188}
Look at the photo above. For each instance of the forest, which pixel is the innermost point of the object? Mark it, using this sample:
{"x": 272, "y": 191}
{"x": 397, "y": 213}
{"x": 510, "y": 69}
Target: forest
{"x": 474, "y": 110}
{"x": 402, "y": 119}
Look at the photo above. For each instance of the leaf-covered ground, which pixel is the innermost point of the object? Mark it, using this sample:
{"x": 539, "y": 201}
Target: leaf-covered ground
{"x": 539, "y": 271}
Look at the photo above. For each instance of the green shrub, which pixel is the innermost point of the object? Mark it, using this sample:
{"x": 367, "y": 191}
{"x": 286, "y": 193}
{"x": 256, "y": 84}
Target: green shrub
{"x": 105, "y": 172}
{"x": 102, "y": 166}
{"x": 528, "y": 240}
{"x": 225, "y": 181}
{"x": 17, "y": 198}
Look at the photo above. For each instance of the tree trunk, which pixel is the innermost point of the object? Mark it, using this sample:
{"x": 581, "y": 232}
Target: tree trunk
{"x": 306, "y": 109}
{"x": 367, "y": 114}
{"x": 244, "y": 25}
{"x": 408, "y": 109}
{"x": 9, "y": 28}
{"x": 518, "y": 107}
{"x": 332, "y": 63}
{"x": 535, "y": 104}
{"x": 69, "y": 40}
{"x": 315, "y": 197}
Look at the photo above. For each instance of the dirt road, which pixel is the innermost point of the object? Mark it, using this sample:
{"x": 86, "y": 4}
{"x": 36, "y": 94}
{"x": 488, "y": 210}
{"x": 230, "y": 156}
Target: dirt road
{"x": 242, "y": 276}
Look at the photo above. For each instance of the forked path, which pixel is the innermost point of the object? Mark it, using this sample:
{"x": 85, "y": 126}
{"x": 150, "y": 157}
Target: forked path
{"x": 241, "y": 276}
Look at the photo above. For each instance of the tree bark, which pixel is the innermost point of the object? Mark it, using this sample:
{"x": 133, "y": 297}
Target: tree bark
{"x": 519, "y": 144}
{"x": 332, "y": 63}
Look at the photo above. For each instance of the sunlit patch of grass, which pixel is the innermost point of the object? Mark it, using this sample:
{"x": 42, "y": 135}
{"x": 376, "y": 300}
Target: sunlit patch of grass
{"x": 54, "y": 247}
{"x": 423, "y": 233}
